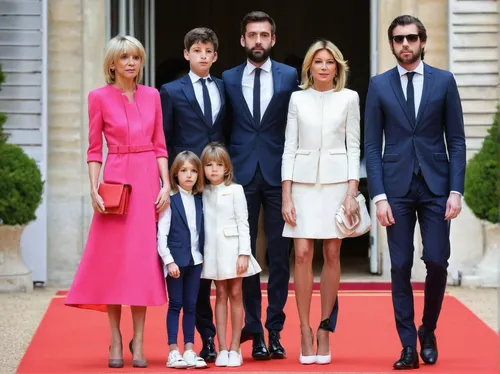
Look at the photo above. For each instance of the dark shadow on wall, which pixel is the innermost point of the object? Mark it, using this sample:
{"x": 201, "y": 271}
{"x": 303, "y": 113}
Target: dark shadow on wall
{"x": 346, "y": 24}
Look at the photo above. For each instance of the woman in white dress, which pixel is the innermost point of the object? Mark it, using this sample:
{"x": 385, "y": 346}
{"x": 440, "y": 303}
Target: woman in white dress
{"x": 320, "y": 173}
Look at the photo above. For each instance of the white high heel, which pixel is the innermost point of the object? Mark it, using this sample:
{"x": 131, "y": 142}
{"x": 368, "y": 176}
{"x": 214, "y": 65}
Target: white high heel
{"x": 307, "y": 360}
{"x": 324, "y": 359}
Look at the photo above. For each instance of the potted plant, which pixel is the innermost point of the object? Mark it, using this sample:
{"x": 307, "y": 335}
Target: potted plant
{"x": 21, "y": 189}
{"x": 482, "y": 195}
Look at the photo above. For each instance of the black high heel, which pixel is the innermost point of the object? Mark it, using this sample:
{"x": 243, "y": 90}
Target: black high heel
{"x": 323, "y": 359}
{"x": 136, "y": 363}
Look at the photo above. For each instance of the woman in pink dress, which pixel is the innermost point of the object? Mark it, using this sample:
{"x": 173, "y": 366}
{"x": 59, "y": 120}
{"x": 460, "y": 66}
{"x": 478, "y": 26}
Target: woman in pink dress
{"x": 120, "y": 264}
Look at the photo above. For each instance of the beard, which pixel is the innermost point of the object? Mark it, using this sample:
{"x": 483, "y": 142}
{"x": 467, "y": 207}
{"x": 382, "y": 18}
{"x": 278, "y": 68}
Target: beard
{"x": 410, "y": 59}
{"x": 258, "y": 56}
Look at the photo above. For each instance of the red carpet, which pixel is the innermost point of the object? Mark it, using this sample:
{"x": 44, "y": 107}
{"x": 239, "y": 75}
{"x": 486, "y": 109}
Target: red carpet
{"x": 69, "y": 340}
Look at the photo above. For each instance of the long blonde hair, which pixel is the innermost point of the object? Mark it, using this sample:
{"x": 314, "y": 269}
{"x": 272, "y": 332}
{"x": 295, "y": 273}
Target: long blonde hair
{"x": 179, "y": 160}
{"x": 118, "y": 46}
{"x": 340, "y": 79}
{"x": 217, "y": 152}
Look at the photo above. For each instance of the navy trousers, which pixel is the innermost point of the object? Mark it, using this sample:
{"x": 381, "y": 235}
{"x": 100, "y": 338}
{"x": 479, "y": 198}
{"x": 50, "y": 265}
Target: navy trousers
{"x": 204, "y": 314}
{"x": 182, "y": 294}
{"x": 420, "y": 203}
{"x": 258, "y": 192}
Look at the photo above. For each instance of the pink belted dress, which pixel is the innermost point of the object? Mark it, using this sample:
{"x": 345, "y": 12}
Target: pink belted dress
{"x": 120, "y": 264}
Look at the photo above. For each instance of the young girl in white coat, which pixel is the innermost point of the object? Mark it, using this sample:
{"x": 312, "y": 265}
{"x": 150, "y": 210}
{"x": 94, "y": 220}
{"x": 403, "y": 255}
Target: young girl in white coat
{"x": 227, "y": 253}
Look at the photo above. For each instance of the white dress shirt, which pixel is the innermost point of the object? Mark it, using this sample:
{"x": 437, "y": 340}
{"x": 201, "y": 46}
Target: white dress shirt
{"x": 164, "y": 222}
{"x": 418, "y": 87}
{"x": 418, "y": 83}
{"x": 266, "y": 85}
{"x": 213, "y": 91}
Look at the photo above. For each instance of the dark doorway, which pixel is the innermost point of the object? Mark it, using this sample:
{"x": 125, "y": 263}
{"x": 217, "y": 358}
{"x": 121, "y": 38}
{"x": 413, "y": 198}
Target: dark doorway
{"x": 299, "y": 23}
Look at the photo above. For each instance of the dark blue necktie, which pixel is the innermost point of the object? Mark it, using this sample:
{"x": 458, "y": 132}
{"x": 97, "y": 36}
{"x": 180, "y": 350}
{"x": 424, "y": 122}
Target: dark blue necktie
{"x": 207, "y": 104}
{"x": 256, "y": 97}
{"x": 410, "y": 97}
{"x": 410, "y": 104}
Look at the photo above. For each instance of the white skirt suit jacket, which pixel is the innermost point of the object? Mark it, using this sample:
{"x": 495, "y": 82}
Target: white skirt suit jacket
{"x": 321, "y": 154}
{"x": 227, "y": 233}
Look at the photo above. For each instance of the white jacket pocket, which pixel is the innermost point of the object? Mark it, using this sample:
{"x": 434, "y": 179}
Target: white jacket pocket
{"x": 231, "y": 231}
{"x": 305, "y": 168}
{"x": 333, "y": 166}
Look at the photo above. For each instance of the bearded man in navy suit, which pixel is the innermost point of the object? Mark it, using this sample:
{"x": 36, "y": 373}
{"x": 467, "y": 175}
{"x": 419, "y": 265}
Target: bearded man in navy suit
{"x": 420, "y": 175}
{"x": 258, "y": 93}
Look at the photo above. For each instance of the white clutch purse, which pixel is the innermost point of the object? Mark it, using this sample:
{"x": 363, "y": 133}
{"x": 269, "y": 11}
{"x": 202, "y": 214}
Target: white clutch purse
{"x": 361, "y": 224}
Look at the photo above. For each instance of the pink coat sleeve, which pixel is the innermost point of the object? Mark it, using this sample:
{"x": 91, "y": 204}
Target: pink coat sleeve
{"x": 96, "y": 124}
{"x": 158, "y": 135}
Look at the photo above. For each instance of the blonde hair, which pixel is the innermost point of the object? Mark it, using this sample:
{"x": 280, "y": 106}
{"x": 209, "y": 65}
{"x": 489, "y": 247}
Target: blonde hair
{"x": 218, "y": 153}
{"x": 340, "y": 79}
{"x": 118, "y": 46}
{"x": 180, "y": 159}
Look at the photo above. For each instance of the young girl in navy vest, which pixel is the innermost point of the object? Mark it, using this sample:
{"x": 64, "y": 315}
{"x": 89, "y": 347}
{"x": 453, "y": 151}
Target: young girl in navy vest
{"x": 180, "y": 245}
{"x": 228, "y": 256}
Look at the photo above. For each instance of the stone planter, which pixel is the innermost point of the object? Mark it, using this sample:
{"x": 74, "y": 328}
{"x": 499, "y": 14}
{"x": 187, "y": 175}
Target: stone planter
{"x": 487, "y": 272}
{"x": 14, "y": 274}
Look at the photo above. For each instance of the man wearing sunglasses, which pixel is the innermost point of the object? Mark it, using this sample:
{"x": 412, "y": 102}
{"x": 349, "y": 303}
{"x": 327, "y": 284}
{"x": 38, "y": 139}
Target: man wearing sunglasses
{"x": 420, "y": 175}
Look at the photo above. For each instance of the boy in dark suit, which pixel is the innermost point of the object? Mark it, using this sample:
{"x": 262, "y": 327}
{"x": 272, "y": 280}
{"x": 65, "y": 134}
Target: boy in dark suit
{"x": 193, "y": 112}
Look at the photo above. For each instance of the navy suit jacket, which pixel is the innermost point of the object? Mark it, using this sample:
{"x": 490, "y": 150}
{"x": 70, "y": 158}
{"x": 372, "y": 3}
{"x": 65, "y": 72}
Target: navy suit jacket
{"x": 179, "y": 237}
{"x": 439, "y": 117}
{"x": 183, "y": 121}
{"x": 262, "y": 145}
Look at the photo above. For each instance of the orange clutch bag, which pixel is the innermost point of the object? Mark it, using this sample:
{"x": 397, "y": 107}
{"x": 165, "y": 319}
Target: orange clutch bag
{"x": 115, "y": 196}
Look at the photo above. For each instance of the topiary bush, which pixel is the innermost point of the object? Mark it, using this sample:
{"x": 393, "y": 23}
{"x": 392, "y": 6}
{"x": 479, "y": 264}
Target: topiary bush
{"x": 21, "y": 186}
{"x": 482, "y": 187}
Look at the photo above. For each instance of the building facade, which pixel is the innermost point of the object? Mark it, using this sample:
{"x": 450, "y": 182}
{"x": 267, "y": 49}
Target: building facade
{"x": 52, "y": 53}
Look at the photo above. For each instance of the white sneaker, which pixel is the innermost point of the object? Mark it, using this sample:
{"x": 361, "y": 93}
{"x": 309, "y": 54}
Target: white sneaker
{"x": 176, "y": 361}
{"x": 193, "y": 360}
{"x": 235, "y": 359}
{"x": 222, "y": 358}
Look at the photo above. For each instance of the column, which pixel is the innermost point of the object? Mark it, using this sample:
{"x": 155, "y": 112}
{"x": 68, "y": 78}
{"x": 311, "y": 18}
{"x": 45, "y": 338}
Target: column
{"x": 76, "y": 42}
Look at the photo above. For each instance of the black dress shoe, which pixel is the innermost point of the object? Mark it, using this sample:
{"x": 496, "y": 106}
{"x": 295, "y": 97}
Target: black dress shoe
{"x": 259, "y": 350}
{"x": 276, "y": 350}
{"x": 428, "y": 346}
{"x": 208, "y": 352}
{"x": 408, "y": 360}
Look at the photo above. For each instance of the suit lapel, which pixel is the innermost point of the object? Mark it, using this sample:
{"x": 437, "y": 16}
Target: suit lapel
{"x": 187, "y": 88}
{"x": 177, "y": 203}
{"x": 276, "y": 88}
{"x": 222, "y": 98}
{"x": 398, "y": 91}
{"x": 239, "y": 77}
{"x": 426, "y": 90}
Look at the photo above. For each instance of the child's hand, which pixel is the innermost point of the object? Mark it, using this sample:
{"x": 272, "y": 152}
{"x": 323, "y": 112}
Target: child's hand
{"x": 242, "y": 264}
{"x": 173, "y": 270}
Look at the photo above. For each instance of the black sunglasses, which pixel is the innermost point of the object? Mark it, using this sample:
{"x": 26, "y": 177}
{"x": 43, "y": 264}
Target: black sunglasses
{"x": 412, "y": 38}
